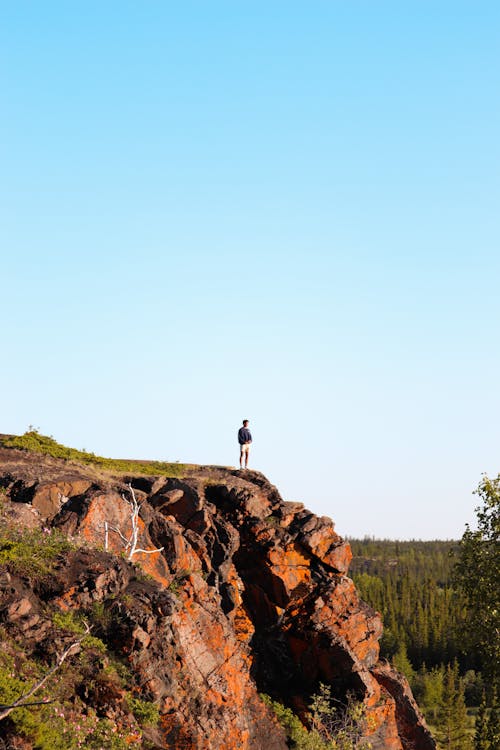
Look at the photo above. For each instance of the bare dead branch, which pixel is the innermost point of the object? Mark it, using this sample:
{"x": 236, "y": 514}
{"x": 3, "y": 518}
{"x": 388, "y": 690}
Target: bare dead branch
{"x": 149, "y": 551}
{"x": 124, "y": 539}
{"x": 26, "y": 705}
{"x": 130, "y": 544}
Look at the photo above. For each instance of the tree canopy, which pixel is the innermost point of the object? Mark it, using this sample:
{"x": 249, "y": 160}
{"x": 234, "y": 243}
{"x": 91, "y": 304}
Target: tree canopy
{"x": 477, "y": 573}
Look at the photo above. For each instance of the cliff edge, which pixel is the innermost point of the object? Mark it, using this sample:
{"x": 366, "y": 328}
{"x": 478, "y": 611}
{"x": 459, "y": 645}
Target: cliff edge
{"x": 248, "y": 595}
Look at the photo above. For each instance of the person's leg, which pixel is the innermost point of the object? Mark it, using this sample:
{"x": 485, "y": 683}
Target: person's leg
{"x": 246, "y": 456}
{"x": 241, "y": 457}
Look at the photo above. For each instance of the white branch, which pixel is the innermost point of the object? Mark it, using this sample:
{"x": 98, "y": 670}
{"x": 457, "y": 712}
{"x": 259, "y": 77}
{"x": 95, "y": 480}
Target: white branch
{"x": 130, "y": 544}
{"x": 149, "y": 551}
{"x": 124, "y": 539}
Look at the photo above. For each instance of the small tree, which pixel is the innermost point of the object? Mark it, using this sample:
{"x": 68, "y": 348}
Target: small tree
{"x": 453, "y": 721}
{"x": 339, "y": 725}
{"x": 481, "y": 741}
{"x": 477, "y": 573}
{"x": 402, "y": 663}
{"x": 432, "y": 692}
{"x": 493, "y": 731}
{"x": 333, "y": 725}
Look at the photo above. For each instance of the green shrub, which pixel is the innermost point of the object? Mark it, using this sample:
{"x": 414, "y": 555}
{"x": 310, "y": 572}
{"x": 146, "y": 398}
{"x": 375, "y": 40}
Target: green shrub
{"x": 75, "y": 623}
{"x": 43, "y": 725}
{"x": 146, "y": 713}
{"x": 105, "y": 737}
{"x": 31, "y": 552}
{"x": 295, "y": 731}
{"x": 63, "y": 723}
{"x": 333, "y": 726}
{"x": 69, "y": 621}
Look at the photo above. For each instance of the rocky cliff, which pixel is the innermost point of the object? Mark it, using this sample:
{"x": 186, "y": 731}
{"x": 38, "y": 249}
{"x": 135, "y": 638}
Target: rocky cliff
{"x": 248, "y": 595}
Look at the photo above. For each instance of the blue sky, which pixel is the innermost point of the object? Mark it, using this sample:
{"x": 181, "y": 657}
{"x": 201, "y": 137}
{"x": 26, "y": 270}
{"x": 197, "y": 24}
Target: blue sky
{"x": 280, "y": 211}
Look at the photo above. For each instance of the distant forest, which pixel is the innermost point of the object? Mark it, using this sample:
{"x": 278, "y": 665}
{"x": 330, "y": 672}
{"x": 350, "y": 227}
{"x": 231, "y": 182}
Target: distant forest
{"x": 411, "y": 584}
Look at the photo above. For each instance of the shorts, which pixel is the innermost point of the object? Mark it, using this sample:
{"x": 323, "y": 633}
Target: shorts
{"x": 245, "y": 448}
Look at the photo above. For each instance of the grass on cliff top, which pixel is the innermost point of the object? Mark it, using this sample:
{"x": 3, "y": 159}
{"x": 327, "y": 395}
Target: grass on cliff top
{"x": 36, "y": 443}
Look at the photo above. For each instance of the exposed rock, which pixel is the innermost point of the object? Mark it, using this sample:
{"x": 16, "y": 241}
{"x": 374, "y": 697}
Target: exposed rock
{"x": 48, "y": 497}
{"x": 248, "y": 594}
{"x": 409, "y": 720}
{"x": 18, "y": 609}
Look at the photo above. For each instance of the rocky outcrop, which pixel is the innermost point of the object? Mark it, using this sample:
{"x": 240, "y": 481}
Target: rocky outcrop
{"x": 248, "y": 594}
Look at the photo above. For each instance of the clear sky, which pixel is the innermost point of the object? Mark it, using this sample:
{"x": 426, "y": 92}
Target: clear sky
{"x": 284, "y": 211}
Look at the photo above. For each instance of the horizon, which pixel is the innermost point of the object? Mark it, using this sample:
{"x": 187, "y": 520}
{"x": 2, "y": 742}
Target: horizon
{"x": 284, "y": 213}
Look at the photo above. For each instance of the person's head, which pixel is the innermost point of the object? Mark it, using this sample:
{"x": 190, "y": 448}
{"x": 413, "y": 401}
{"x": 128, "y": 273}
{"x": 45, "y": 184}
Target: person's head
{"x": 245, "y": 422}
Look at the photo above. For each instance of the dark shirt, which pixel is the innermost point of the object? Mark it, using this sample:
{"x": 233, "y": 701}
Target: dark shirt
{"x": 244, "y": 436}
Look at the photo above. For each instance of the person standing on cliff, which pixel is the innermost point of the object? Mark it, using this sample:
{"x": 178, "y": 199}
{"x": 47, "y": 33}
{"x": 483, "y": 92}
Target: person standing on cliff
{"x": 244, "y": 439}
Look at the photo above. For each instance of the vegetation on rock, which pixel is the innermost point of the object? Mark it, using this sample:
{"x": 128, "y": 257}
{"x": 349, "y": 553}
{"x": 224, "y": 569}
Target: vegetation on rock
{"x": 64, "y": 720}
{"x": 332, "y": 725}
{"x": 31, "y": 553}
{"x": 33, "y": 441}
{"x": 246, "y": 594}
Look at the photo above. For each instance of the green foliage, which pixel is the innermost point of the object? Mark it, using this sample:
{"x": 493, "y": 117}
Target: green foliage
{"x": 146, "y": 712}
{"x": 69, "y": 621}
{"x": 453, "y": 725}
{"x": 333, "y": 726}
{"x": 74, "y": 623}
{"x": 403, "y": 664}
{"x": 101, "y": 615}
{"x": 11, "y": 686}
{"x": 493, "y": 730}
{"x": 31, "y": 552}
{"x": 56, "y": 724}
{"x": 481, "y": 741}
{"x": 429, "y": 687}
{"x": 66, "y": 718}
{"x": 105, "y": 737}
{"x": 340, "y": 726}
{"x": 33, "y": 441}
{"x": 296, "y": 733}
{"x": 177, "y": 582}
{"x": 477, "y": 572}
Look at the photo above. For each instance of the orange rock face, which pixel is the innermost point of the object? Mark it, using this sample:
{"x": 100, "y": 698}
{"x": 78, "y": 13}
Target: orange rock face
{"x": 250, "y": 595}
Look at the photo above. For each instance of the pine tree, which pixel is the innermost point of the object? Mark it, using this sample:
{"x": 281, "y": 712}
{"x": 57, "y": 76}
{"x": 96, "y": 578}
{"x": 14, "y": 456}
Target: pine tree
{"x": 432, "y": 696}
{"x": 453, "y": 721}
{"x": 481, "y": 741}
{"x": 403, "y": 664}
{"x": 493, "y": 731}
